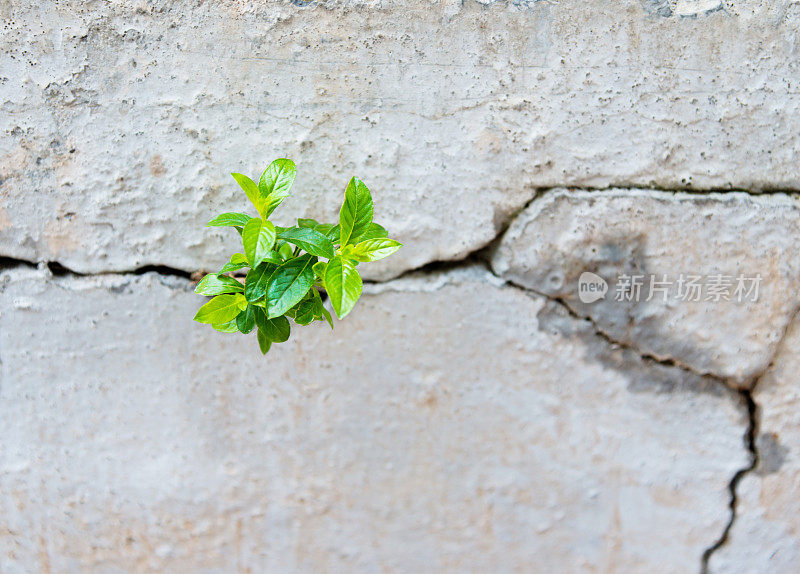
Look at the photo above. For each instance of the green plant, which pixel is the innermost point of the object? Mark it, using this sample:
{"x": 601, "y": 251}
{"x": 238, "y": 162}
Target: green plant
{"x": 286, "y": 274}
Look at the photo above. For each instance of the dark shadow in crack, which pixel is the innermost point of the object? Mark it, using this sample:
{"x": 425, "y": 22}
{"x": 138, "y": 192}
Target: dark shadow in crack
{"x": 644, "y": 375}
{"x": 629, "y": 314}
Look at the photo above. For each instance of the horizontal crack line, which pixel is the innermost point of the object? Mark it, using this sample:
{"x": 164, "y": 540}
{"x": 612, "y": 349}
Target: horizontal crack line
{"x": 789, "y": 191}
{"x": 58, "y": 268}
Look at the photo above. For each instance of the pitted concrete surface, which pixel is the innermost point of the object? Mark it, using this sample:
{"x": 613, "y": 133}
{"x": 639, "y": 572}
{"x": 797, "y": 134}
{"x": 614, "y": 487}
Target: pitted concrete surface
{"x": 124, "y": 120}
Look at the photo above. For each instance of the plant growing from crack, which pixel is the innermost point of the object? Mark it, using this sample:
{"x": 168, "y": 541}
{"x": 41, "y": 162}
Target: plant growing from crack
{"x": 286, "y": 269}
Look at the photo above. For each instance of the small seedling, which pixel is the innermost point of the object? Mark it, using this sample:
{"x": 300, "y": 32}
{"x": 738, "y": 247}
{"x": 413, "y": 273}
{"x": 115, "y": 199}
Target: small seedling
{"x": 287, "y": 271}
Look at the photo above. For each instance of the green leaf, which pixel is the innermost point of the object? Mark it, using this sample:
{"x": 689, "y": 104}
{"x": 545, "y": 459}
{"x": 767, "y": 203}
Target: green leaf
{"x": 324, "y": 228}
{"x": 319, "y": 269}
{"x": 330, "y": 231}
{"x": 372, "y": 249}
{"x": 356, "y": 212}
{"x": 246, "y": 320}
{"x": 263, "y": 342}
{"x": 238, "y": 261}
{"x": 221, "y": 309}
{"x": 291, "y": 313}
{"x": 229, "y": 219}
{"x": 289, "y": 283}
{"x": 277, "y": 330}
{"x": 304, "y": 314}
{"x": 273, "y": 257}
{"x": 213, "y": 284}
{"x": 373, "y": 231}
{"x": 286, "y": 251}
{"x": 251, "y": 189}
{"x": 343, "y": 284}
{"x": 258, "y": 238}
{"x": 228, "y": 267}
{"x": 312, "y": 223}
{"x": 275, "y": 184}
{"x": 229, "y": 327}
{"x": 309, "y": 240}
{"x": 257, "y": 281}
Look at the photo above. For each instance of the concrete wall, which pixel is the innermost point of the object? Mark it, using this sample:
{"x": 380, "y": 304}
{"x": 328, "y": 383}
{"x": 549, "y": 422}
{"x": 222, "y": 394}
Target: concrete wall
{"x": 473, "y": 415}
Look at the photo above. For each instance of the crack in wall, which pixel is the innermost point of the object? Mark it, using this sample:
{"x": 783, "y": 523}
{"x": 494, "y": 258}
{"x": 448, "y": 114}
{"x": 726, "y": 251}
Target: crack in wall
{"x": 746, "y": 395}
{"x": 750, "y": 443}
{"x": 59, "y": 270}
{"x": 788, "y": 191}
{"x": 751, "y": 432}
{"x": 664, "y": 361}
{"x": 502, "y": 222}
{"x": 478, "y": 255}
{"x": 478, "y": 258}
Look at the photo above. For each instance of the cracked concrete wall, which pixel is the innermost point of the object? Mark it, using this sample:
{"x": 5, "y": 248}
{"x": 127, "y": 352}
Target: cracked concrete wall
{"x": 472, "y": 413}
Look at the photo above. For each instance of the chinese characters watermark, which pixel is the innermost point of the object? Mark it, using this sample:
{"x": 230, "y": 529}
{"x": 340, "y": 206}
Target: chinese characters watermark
{"x": 687, "y": 287}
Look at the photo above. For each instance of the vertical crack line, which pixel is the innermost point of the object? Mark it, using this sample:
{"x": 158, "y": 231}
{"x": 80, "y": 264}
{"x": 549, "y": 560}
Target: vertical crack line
{"x": 750, "y": 443}
{"x": 750, "y": 439}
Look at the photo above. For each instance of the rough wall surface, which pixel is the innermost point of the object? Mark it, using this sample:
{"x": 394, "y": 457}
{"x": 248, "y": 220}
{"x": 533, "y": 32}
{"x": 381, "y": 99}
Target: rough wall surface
{"x": 125, "y": 118}
{"x": 473, "y": 413}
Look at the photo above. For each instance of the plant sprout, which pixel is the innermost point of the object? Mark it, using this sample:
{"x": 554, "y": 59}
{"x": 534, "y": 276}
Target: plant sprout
{"x": 290, "y": 267}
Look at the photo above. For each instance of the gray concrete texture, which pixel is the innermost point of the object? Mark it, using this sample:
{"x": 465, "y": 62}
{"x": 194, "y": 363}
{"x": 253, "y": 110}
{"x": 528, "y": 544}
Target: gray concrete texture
{"x": 473, "y": 413}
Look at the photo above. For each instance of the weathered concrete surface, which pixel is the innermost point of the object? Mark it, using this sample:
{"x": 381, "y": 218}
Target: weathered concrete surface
{"x": 121, "y": 121}
{"x": 636, "y": 233}
{"x": 450, "y": 424}
{"x": 766, "y": 534}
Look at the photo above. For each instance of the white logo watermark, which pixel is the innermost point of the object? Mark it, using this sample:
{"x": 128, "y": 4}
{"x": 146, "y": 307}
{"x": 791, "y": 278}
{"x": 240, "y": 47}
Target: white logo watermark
{"x": 660, "y": 287}
{"x": 591, "y": 287}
